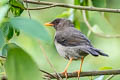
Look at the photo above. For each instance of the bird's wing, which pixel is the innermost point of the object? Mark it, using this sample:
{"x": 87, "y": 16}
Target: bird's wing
{"x": 72, "y": 37}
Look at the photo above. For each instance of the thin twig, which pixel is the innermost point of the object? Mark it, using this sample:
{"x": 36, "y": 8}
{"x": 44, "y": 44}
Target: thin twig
{"x": 98, "y": 34}
{"x": 74, "y": 6}
{"x": 28, "y": 10}
{"x": 52, "y": 4}
{"x": 39, "y": 8}
{"x": 3, "y": 57}
{"x": 47, "y": 73}
{"x": 84, "y": 74}
{"x": 58, "y": 76}
{"x": 110, "y": 77}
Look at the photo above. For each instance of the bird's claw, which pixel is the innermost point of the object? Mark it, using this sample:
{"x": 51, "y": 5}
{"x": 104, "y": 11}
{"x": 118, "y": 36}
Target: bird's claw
{"x": 78, "y": 73}
{"x": 65, "y": 73}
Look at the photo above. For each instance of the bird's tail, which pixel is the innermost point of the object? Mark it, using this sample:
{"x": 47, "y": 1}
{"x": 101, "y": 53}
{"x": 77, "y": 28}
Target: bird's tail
{"x": 94, "y": 51}
{"x": 100, "y": 52}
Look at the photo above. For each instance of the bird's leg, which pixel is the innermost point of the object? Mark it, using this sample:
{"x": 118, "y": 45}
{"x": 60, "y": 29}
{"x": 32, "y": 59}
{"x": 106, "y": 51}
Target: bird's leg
{"x": 65, "y": 70}
{"x": 82, "y": 59}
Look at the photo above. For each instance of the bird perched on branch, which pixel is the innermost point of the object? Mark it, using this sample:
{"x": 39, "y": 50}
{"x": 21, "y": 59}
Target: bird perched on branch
{"x": 71, "y": 43}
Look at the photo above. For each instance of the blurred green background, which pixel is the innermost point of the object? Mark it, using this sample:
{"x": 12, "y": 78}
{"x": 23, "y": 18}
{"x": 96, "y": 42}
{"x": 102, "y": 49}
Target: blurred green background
{"x": 102, "y": 22}
{"x": 108, "y": 23}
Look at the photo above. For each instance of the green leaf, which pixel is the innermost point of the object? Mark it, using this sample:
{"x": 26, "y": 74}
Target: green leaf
{"x": 19, "y": 65}
{"x": 4, "y": 51}
{"x": 8, "y": 30}
{"x": 2, "y": 41}
{"x": 99, "y": 3}
{"x": 16, "y": 11}
{"x": 3, "y": 11}
{"x": 105, "y": 68}
{"x": 5, "y": 28}
{"x": 17, "y": 32}
{"x": 77, "y": 2}
{"x": 17, "y": 7}
{"x": 17, "y": 3}
{"x": 10, "y": 33}
{"x": 30, "y": 27}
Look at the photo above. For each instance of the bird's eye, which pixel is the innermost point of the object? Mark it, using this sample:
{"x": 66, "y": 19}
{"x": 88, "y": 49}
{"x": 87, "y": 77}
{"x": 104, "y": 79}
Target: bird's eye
{"x": 57, "y": 22}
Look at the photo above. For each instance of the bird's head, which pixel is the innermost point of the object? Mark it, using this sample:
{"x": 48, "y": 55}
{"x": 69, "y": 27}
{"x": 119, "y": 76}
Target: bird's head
{"x": 60, "y": 23}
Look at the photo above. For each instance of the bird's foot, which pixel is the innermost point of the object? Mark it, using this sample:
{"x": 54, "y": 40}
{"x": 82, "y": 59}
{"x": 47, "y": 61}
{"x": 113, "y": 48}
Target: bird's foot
{"x": 78, "y": 73}
{"x": 65, "y": 73}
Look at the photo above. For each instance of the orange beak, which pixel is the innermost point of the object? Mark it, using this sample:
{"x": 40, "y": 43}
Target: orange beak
{"x": 48, "y": 24}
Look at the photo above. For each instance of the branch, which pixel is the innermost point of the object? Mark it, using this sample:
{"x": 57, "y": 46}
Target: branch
{"x": 39, "y": 8}
{"x": 47, "y": 73}
{"x": 91, "y": 29}
{"x": 52, "y": 4}
{"x": 73, "y": 6}
{"x": 83, "y": 74}
{"x": 110, "y": 77}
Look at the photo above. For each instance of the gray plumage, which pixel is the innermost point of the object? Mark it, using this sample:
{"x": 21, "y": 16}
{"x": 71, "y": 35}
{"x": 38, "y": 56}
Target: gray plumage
{"x": 71, "y": 43}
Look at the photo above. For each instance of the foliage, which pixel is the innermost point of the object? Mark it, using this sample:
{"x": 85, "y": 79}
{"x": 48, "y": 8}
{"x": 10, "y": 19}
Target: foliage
{"x": 16, "y": 7}
{"x": 19, "y": 64}
{"x": 14, "y": 64}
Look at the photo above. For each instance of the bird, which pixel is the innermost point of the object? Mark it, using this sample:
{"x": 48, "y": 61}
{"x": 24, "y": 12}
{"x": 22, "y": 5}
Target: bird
{"x": 71, "y": 43}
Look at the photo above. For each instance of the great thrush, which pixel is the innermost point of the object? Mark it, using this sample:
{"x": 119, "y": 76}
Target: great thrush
{"x": 71, "y": 43}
